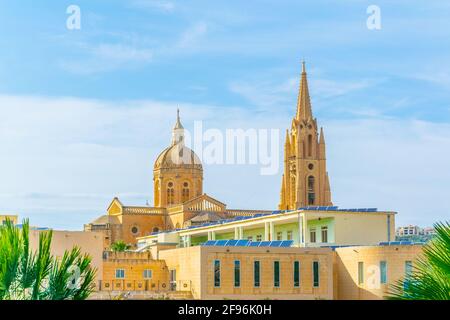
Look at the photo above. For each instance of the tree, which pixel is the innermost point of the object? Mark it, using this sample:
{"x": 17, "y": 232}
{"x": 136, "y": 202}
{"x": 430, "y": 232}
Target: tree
{"x": 120, "y": 246}
{"x": 27, "y": 275}
{"x": 430, "y": 277}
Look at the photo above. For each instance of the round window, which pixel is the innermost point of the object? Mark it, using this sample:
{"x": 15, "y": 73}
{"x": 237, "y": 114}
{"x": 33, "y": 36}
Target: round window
{"x": 186, "y": 184}
{"x": 170, "y": 184}
{"x": 310, "y": 166}
{"x": 134, "y": 230}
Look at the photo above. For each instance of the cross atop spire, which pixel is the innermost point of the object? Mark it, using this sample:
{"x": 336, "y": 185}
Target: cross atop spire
{"x": 303, "y": 103}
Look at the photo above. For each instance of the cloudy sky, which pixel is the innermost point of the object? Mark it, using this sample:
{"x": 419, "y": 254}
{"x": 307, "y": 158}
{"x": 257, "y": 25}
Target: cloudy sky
{"x": 84, "y": 113}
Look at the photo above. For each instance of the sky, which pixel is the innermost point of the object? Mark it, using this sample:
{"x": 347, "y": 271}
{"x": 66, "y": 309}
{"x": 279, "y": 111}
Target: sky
{"x": 85, "y": 112}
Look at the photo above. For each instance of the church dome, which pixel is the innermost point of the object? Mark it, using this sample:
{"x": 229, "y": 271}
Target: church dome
{"x": 177, "y": 155}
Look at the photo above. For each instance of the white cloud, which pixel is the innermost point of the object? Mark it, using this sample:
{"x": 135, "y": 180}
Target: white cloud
{"x": 63, "y": 159}
{"x": 107, "y": 57}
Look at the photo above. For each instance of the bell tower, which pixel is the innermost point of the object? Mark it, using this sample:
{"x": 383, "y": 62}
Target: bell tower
{"x": 305, "y": 179}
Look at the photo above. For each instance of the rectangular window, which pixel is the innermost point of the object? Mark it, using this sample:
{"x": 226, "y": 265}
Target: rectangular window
{"x": 250, "y": 238}
{"x": 148, "y": 274}
{"x": 408, "y": 268}
{"x": 237, "y": 273}
{"x": 216, "y": 273}
{"x": 360, "y": 272}
{"x": 296, "y": 274}
{"x": 279, "y": 235}
{"x": 324, "y": 234}
{"x": 120, "y": 274}
{"x": 289, "y": 235}
{"x": 316, "y": 279}
{"x": 383, "y": 272}
{"x": 312, "y": 235}
{"x": 259, "y": 237}
{"x": 276, "y": 274}
{"x": 256, "y": 274}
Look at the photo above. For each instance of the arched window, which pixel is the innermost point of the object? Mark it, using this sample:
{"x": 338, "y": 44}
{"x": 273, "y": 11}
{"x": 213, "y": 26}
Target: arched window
{"x": 309, "y": 145}
{"x": 185, "y": 192}
{"x": 311, "y": 193}
{"x": 170, "y": 193}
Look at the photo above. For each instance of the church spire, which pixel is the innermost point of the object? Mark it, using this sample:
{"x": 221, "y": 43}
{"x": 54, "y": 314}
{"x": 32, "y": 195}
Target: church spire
{"x": 178, "y": 124}
{"x": 303, "y": 103}
{"x": 178, "y": 130}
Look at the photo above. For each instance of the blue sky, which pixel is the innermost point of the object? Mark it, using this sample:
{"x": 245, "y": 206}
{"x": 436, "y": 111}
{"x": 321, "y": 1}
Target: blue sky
{"x": 84, "y": 113}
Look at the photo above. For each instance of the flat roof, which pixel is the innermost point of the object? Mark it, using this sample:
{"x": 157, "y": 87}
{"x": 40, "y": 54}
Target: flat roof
{"x": 260, "y": 216}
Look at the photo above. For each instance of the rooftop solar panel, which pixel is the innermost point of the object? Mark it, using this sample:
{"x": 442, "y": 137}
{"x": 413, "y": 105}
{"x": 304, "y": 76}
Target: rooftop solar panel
{"x": 264, "y": 243}
{"x": 231, "y": 243}
{"x": 258, "y": 215}
{"x": 242, "y": 243}
{"x": 276, "y": 243}
{"x": 286, "y": 243}
{"x": 384, "y": 243}
{"x": 221, "y": 243}
{"x": 254, "y": 244}
{"x": 210, "y": 243}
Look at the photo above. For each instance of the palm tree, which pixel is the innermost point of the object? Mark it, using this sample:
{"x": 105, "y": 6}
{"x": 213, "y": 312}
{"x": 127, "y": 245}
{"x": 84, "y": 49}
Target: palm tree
{"x": 430, "y": 278}
{"x": 27, "y": 275}
{"x": 120, "y": 246}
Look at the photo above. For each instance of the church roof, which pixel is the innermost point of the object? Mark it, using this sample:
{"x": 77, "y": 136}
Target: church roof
{"x": 206, "y": 217}
{"x": 106, "y": 219}
{"x": 178, "y": 155}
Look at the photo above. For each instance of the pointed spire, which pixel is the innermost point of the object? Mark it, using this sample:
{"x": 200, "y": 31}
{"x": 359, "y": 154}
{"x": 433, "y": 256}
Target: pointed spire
{"x": 287, "y": 142}
{"x": 178, "y": 130}
{"x": 178, "y": 124}
{"x": 322, "y": 137}
{"x": 303, "y": 103}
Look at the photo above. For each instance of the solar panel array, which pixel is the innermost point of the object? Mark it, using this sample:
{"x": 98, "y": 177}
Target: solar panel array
{"x": 248, "y": 243}
{"x": 335, "y": 208}
{"x": 399, "y": 243}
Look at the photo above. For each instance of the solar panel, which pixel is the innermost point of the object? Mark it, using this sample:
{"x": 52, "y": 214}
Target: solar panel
{"x": 384, "y": 243}
{"x": 264, "y": 244}
{"x": 254, "y": 243}
{"x": 394, "y": 243}
{"x": 372, "y": 209}
{"x": 210, "y": 243}
{"x": 322, "y": 208}
{"x": 231, "y": 243}
{"x": 276, "y": 243}
{"x": 221, "y": 243}
{"x": 258, "y": 215}
{"x": 242, "y": 243}
{"x": 287, "y": 243}
{"x": 405, "y": 242}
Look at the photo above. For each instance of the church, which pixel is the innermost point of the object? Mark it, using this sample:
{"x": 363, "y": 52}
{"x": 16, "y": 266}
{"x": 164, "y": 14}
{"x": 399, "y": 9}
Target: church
{"x": 179, "y": 198}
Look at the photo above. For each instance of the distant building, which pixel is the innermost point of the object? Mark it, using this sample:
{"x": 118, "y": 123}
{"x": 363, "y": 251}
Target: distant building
{"x": 408, "y": 231}
{"x": 12, "y": 218}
